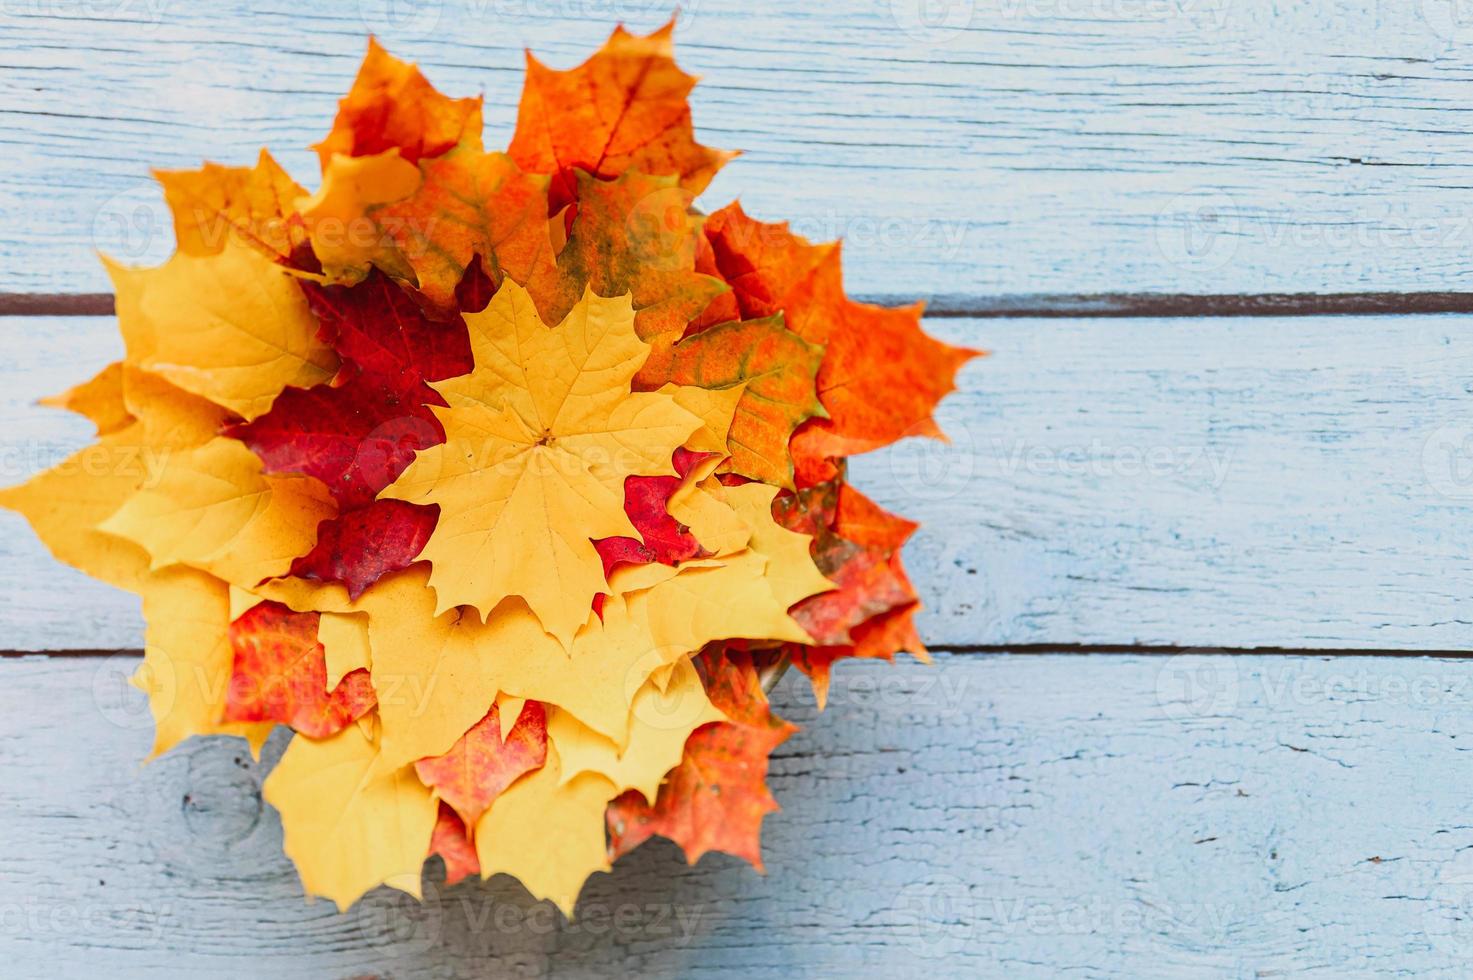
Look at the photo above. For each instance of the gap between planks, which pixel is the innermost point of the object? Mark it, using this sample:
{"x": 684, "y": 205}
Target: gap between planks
{"x": 1155, "y": 305}
{"x": 1012, "y": 649}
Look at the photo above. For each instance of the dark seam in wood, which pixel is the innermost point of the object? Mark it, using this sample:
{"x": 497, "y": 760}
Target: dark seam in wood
{"x": 56, "y": 304}
{"x": 1009, "y": 649}
{"x": 1016, "y": 307}
{"x": 1191, "y": 305}
{"x": 1171, "y": 650}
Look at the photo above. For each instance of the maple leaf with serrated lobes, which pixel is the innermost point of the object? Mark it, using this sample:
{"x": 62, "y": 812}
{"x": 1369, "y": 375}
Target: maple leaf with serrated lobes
{"x": 548, "y": 832}
{"x": 347, "y": 825}
{"x": 778, "y": 369}
{"x": 856, "y": 544}
{"x": 443, "y": 658}
{"x": 634, "y": 234}
{"x": 481, "y": 764}
{"x": 393, "y": 106}
{"x": 539, "y": 440}
{"x": 868, "y": 578}
{"x": 359, "y": 433}
{"x": 280, "y": 674}
{"x": 232, "y": 328}
{"x": 239, "y": 524}
{"x": 254, "y": 204}
{"x": 716, "y": 798}
{"x": 770, "y": 270}
{"x": 623, "y": 109}
{"x": 661, "y": 719}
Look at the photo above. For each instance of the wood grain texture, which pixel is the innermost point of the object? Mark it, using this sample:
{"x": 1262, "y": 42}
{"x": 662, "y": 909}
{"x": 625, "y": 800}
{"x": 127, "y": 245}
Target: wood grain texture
{"x": 1013, "y": 147}
{"x": 995, "y": 816}
{"x": 1217, "y": 482}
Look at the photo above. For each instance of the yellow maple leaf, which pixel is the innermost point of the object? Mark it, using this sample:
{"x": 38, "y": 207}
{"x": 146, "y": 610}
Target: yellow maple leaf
{"x": 660, "y": 720}
{"x": 791, "y": 573}
{"x": 344, "y": 639}
{"x": 700, "y": 504}
{"x": 66, "y": 503}
{"x": 348, "y": 825}
{"x": 344, "y": 238}
{"x": 716, "y": 407}
{"x": 436, "y": 674}
{"x": 232, "y": 327}
{"x": 213, "y": 508}
{"x": 171, "y": 417}
{"x": 547, "y": 833}
{"x": 187, "y": 659}
{"x": 253, "y": 204}
{"x": 539, "y": 438}
{"x": 100, "y": 400}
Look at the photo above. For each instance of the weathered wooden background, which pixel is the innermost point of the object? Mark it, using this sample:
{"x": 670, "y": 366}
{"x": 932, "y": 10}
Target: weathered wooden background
{"x": 1198, "y": 577}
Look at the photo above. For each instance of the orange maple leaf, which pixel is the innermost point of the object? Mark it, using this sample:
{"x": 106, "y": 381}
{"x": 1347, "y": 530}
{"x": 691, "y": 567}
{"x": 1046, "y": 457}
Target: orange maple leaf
{"x": 623, "y": 109}
{"x": 716, "y": 798}
{"x": 454, "y": 846}
{"x": 777, "y": 367}
{"x": 480, "y": 765}
{"x": 771, "y": 269}
{"x": 856, "y": 544}
{"x": 634, "y": 234}
{"x": 393, "y": 106}
{"x": 280, "y": 674}
{"x": 470, "y": 204}
{"x": 256, "y": 204}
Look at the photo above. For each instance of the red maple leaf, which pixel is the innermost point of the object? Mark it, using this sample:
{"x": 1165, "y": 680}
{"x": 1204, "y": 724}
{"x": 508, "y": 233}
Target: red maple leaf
{"x": 480, "y": 765}
{"x": 662, "y": 538}
{"x": 359, "y": 547}
{"x": 280, "y": 674}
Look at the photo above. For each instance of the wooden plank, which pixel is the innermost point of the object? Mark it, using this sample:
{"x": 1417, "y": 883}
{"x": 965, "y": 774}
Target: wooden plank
{"x": 1018, "y": 147}
{"x": 1219, "y": 482}
{"x": 996, "y": 816}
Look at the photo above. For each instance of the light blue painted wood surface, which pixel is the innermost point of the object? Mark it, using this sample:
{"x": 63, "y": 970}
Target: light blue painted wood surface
{"x": 1218, "y": 483}
{"x": 1299, "y": 483}
{"x": 1142, "y": 817}
{"x": 963, "y": 147}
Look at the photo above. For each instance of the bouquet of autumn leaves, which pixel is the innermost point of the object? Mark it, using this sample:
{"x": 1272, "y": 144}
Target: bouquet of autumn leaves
{"x": 499, "y": 478}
